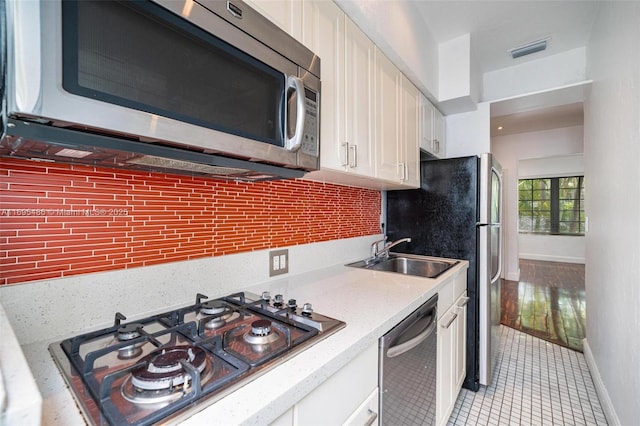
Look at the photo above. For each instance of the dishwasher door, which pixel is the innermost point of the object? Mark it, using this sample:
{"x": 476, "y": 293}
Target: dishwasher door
{"x": 407, "y": 374}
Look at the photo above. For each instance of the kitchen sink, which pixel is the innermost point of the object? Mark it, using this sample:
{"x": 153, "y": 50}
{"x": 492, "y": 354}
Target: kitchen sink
{"x": 407, "y": 264}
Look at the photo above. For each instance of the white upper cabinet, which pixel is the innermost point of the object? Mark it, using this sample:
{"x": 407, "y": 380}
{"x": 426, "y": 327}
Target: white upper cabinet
{"x": 369, "y": 126}
{"x": 324, "y": 34}
{"x": 284, "y": 13}
{"x": 388, "y": 121}
{"x": 410, "y": 133}
{"x": 346, "y": 104}
{"x": 397, "y": 125}
{"x": 432, "y": 128}
{"x": 359, "y": 100}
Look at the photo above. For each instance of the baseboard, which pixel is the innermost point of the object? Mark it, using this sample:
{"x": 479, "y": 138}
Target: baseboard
{"x": 547, "y": 258}
{"x": 605, "y": 401}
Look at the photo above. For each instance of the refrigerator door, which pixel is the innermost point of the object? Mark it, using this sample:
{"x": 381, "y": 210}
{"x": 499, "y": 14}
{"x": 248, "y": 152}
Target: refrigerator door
{"x": 441, "y": 219}
{"x": 490, "y": 264}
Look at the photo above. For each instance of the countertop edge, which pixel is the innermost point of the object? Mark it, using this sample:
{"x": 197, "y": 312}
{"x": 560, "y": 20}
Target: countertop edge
{"x": 19, "y": 405}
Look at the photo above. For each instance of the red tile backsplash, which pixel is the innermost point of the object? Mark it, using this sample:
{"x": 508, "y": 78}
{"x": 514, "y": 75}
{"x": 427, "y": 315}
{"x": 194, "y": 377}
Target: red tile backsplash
{"x": 58, "y": 220}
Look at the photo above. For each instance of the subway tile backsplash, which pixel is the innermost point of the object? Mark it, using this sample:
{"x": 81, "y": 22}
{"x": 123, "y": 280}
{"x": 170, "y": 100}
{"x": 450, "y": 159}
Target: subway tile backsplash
{"x": 59, "y": 220}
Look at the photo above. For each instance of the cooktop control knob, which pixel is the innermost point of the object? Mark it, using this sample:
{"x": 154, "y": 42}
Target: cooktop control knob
{"x": 307, "y": 309}
{"x": 292, "y": 304}
{"x": 266, "y": 296}
{"x": 278, "y": 301}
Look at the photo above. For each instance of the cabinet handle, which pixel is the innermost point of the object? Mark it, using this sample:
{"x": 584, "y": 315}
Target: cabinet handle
{"x": 463, "y": 302}
{"x": 345, "y": 163}
{"x": 403, "y": 171}
{"x": 436, "y": 145}
{"x": 453, "y": 318}
{"x": 354, "y": 157}
{"x": 372, "y": 417}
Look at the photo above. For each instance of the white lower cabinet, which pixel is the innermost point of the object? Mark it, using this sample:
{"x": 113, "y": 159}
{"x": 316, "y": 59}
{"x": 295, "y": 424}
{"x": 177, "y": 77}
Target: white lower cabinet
{"x": 452, "y": 346}
{"x": 349, "y": 397}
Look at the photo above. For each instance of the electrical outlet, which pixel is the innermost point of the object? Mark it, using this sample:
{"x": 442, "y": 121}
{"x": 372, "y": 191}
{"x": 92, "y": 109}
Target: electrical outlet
{"x": 278, "y": 262}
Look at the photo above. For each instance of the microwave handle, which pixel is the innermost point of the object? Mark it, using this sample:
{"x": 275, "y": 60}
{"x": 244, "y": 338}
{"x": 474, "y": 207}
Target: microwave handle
{"x": 293, "y": 143}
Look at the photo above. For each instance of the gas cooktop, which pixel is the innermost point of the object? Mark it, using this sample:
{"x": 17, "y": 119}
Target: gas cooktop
{"x": 166, "y": 367}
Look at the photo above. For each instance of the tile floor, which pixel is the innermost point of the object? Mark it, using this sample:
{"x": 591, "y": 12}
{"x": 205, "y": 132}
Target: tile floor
{"x": 535, "y": 383}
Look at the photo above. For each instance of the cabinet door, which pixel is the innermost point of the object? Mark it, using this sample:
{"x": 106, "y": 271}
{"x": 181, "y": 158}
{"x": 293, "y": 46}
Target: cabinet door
{"x": 445, "y": 375}
{"x": 410, "y": 133}
{"x": 460, "y": 358}
{"x": 358, "y": 142}
{"x": 324, "y": 34}
{"x": 388, "y": 110}
{"x": 439, "y": 136}
{"x": 426, "y": 124}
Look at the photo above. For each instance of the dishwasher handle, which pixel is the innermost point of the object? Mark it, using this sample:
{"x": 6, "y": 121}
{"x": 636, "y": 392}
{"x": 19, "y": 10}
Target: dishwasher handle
{"x": 410, "y": 344}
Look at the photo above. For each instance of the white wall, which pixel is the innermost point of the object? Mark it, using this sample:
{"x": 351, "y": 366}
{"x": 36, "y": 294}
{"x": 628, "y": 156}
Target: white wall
{"x": 552, "y": 248}
{"x": 468, "y": 133}
{"x": 509, "y": 150}
{"x": 612, "y": 165}
{"x": 546, "y": 73}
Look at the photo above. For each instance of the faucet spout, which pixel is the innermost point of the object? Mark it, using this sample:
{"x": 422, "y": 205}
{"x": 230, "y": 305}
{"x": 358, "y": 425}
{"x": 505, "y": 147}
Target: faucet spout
{"x": 384, "y": 253}
{"x": 395, "y": 243}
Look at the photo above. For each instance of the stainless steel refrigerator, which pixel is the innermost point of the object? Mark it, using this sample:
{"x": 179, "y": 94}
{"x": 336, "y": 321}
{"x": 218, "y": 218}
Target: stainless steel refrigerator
{"x": 457, "y": 213}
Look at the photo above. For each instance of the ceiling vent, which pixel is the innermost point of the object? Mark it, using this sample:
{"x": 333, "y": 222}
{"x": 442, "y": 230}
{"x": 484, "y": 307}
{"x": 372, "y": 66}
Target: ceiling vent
{"x": 529, "y": 48}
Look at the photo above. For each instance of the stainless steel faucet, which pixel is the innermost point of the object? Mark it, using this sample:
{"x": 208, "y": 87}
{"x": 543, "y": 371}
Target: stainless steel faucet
{"x": 384, "y": 253}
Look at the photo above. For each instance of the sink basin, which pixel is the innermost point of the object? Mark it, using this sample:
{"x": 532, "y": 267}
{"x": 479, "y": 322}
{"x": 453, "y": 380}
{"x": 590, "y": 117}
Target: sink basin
{"x": 419, "y": 266}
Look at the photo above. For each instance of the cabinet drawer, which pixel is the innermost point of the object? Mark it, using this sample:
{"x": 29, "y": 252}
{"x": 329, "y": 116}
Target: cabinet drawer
{"x": 367, "y": 413}
{"x": 329, "y": 403}
{"x": 445, "y": 297}
{"x": 459, "y": 284}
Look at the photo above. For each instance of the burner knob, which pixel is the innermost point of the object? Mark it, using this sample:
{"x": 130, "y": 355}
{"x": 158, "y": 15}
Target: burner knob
{"x": 292, "y": 304}
{"x": 266, "y": 296}
{"x": 307, "y": 309}
{"x": 278, "y": 301}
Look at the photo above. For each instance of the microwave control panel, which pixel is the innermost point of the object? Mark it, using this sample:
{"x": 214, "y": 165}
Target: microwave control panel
{"x": 310, "y": 137}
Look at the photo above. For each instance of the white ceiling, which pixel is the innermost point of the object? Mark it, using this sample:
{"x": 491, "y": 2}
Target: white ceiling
{"x": 498, "y": 26}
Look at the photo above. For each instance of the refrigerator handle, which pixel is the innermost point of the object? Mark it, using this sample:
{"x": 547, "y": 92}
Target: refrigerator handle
{"x": 500, "y": 243}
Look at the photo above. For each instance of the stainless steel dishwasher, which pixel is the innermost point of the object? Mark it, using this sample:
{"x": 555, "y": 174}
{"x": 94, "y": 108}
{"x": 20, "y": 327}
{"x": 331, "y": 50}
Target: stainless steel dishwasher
{"x": 407, "y": 362}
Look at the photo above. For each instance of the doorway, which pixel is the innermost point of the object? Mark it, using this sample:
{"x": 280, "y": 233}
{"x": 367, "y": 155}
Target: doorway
{"x": 547, "y": 302}
{"x": 543, "y": 290}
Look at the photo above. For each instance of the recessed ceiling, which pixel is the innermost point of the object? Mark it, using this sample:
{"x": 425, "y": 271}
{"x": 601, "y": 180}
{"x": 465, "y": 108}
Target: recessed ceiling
{"x": 498, "y": 26}
{"x": 540, "y": 111}
{"x": 538, "y": 120}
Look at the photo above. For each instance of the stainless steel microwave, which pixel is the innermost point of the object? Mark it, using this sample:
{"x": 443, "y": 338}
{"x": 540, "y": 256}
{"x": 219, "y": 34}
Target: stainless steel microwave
{"x": 199, "y": 87}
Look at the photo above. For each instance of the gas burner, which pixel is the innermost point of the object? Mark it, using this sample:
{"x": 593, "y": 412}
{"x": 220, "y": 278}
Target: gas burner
{"x": 164, "y": 378}
{"x": 261, "y": 333}
{"x": 221, "y": 314}
{"x": 129, "y": 332}
{"x": 212, "y": 307}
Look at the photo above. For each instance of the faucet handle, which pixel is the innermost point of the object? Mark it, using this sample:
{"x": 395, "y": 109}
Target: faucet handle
{"x": 375, "y": 244}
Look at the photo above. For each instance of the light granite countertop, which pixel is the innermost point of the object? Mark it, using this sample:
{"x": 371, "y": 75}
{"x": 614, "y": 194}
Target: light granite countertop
{"x": 370, "y": 303}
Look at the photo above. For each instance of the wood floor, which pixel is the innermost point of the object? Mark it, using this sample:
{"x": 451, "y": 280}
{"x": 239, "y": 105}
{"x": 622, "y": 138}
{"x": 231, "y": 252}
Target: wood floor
{"x": 548, "y": 302}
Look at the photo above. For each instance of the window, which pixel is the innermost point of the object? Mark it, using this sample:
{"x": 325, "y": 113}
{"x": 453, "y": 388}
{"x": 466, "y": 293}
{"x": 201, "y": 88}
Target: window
{"x": 551, "y": 205}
